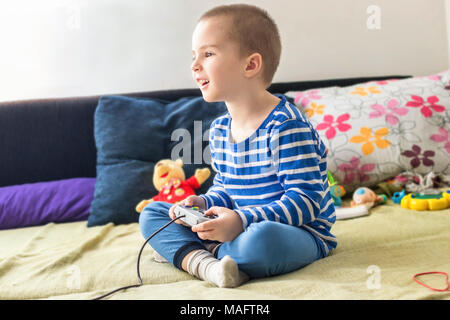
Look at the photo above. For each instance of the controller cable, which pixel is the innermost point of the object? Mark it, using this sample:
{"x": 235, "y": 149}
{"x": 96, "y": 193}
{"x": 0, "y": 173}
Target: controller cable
{"x": 138, "y": 260}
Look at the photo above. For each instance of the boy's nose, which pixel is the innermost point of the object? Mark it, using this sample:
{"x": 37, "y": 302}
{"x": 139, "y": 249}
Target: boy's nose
{"x": 195, "y": 65}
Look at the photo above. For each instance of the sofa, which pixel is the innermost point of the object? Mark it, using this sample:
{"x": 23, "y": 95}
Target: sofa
{"x": 72, "y": 170}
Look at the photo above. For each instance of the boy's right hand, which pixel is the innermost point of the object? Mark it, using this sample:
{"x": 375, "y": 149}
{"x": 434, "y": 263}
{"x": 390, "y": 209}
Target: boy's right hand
{"x": 191, "y": 201}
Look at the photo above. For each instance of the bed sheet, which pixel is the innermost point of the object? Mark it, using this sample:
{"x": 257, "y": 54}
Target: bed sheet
{"x": 376, "y": 258}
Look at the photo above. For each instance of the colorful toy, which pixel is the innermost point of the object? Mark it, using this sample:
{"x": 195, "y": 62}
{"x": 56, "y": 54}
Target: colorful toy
{"x": 363, "y": 199}
{"x": 337, "y": 191}
{"x": 367, "y": 197}
{"x": 421, "y": 202}
{"x": 169, "y": 179}
{"x": 398, "y": 196}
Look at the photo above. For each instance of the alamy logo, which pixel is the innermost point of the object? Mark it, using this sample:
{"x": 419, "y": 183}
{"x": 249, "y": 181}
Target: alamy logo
{"x": 263, "y": 147}
{"x": 374, "y": 19}
{"x": 73, "y": 281}
{"x": 374, "y": 280}
{"x": 186, "y": 141}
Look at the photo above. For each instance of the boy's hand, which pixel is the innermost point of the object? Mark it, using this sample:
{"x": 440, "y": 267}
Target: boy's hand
{"x": 191, "y": 201}
{"x": 226, "y": 227}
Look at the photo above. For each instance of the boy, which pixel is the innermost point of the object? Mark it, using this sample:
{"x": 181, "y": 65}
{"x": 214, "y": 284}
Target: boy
{"x": 270, "y": 193}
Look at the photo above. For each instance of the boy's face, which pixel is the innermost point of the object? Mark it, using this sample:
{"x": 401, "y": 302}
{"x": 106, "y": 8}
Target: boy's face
{"x": 219, "y": 63}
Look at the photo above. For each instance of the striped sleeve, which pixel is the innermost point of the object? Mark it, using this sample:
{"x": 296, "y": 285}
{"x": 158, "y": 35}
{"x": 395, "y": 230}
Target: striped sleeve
{"x": 299, "y": 163}
{"x": 217, "y": 195}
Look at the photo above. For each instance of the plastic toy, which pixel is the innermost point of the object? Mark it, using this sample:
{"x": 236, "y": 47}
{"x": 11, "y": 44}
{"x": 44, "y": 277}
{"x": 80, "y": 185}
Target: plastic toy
{"x": 337, "y": 191}
{"x": 398, "y": 196}
{"x": 351, "y": 212}
{"x": 421, "y": 202}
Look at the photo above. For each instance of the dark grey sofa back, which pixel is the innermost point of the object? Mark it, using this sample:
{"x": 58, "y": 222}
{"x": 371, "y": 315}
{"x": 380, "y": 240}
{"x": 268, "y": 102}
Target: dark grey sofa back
{"x": 53, "y": 139}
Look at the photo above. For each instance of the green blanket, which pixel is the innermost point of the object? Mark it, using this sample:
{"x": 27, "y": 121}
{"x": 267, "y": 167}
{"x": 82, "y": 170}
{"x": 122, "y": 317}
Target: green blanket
{"x": 376, "y": 258}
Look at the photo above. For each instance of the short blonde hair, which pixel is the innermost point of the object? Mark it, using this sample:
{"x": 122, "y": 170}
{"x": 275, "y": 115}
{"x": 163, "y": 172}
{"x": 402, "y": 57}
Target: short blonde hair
{"x": 254, "y": 31}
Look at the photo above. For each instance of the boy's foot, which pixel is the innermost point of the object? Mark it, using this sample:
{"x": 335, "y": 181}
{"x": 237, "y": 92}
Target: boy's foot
{"x": 223, "y": 273}
{"x": 228, "y": 274}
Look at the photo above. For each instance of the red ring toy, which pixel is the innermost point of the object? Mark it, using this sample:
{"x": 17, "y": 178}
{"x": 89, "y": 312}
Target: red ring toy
{"x": 432, "y": 272}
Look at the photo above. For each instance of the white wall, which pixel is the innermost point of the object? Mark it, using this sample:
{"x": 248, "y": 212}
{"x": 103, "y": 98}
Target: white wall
{"x": 53, "y": 48}
{"x": 447, "y": 18}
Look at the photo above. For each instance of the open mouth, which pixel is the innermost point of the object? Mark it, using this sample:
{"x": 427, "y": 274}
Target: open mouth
{"x": 203, "y": 83}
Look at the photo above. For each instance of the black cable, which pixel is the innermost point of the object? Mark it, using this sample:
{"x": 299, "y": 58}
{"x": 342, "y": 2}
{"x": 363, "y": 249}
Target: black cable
{"x": 138, "y": 260}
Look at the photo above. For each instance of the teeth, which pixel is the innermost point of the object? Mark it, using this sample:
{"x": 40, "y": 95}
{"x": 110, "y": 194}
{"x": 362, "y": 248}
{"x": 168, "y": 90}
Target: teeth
{"x": 203, "y": 81}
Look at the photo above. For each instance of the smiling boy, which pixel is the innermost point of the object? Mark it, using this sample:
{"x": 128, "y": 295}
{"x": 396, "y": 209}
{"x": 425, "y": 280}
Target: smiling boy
{"x": 270, "y": 193}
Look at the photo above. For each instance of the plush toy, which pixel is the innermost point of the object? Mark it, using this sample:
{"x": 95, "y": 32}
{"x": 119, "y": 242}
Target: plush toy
{"x": 170, "y": 181}
{"x": 367, "y": 197}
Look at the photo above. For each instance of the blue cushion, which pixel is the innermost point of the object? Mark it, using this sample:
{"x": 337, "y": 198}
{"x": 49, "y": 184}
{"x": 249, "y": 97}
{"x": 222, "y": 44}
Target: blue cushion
{"x": 131, "y": 135}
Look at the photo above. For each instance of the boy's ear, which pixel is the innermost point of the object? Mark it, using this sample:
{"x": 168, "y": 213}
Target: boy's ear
{"x": 253, "y": 65}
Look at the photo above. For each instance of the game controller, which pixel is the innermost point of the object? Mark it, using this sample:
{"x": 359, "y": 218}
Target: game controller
{"x": 192, "y": 215}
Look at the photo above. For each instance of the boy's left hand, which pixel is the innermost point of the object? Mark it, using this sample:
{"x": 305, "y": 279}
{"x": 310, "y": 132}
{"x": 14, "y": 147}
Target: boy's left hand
{"x": 226, "y": 227}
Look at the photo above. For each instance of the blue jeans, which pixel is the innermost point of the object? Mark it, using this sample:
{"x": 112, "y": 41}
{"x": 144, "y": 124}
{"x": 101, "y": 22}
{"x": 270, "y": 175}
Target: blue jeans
{"x": 263, "y": 249}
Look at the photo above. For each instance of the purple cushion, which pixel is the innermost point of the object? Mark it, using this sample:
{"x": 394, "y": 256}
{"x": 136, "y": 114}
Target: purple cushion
{"x": 43, "y": 202}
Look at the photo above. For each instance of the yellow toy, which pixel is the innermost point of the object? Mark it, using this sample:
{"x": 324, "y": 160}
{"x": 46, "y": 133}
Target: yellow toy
{"x": 171, "y": 183}
{"x": 423, "y": 202}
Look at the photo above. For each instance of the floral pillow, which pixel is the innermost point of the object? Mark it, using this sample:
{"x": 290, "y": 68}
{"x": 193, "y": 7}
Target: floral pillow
{"x": 378, "y": 129}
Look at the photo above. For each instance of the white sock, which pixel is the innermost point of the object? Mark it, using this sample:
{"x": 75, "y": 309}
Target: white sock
{"x": 223, "y": 273}
{"x": 159, "y": 258}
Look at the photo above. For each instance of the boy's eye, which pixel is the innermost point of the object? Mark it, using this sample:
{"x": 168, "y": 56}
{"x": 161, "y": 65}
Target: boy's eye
{"x": 207, "y": 54}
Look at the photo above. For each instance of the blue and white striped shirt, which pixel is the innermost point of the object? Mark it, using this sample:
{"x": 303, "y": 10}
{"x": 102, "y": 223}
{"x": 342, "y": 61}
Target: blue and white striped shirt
{"x": 279, "y": 173}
